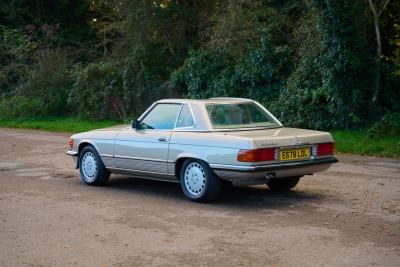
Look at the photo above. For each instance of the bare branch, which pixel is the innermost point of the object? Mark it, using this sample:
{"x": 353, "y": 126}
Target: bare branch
{"x": 373, "y": 8}
{"x": 384, "y": 6}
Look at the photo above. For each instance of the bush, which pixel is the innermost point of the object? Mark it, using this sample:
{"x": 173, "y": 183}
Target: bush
{"x": 390, "y": 95}
{"x": 15, "y": 64}
{"x": 105, "y": 90}
{"x": 141, "y": 87}
{"x": 204, "y": 74}
{"x": 388, "y": 125}
{"x": 258, "y": 75}
{"x": 329, "y": 87}
{"x": 50, "y": 82}
{"x": 20, "y": 106}
{"x": 96, "y": 92}
{"x": 45, "y": 90}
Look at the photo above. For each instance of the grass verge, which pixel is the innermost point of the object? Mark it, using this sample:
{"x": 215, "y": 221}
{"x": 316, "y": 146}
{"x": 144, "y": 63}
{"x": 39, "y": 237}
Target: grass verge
{"x": 71, "y": 125}
{"x": 356, "y": 142}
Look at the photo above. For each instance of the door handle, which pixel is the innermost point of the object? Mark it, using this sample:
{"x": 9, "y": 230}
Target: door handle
{"x": 162, "y": 139}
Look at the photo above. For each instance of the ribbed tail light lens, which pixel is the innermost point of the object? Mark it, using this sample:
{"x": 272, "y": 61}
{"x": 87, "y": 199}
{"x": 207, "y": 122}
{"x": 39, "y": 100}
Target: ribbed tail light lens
{"x": 254, "y": 155}
{"x": 326, "y": 149}
{"x": 70, "y": 143}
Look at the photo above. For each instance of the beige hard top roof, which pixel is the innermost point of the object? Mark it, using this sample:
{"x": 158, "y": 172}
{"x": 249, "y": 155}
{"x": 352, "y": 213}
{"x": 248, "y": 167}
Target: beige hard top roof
{"x": 199, "y": 112}
{"x": 216, "y": 100}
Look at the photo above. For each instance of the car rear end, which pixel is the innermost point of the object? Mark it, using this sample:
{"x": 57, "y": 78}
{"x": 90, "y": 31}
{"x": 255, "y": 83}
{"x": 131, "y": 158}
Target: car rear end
{"x": 278, "y": 153}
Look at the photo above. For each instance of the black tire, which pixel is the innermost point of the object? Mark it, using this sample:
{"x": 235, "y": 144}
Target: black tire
{"x": 209, "y": 183}
{"x": 283, "y": 184}
{"x": 98, "y": 177}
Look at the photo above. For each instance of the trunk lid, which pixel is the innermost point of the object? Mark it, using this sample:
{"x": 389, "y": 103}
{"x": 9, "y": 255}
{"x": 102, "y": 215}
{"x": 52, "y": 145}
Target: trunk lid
{"x": 281, "y": 137}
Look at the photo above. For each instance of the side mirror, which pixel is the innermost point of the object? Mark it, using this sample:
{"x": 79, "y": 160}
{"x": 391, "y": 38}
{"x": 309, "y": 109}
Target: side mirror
{"x": 135, "y": 124}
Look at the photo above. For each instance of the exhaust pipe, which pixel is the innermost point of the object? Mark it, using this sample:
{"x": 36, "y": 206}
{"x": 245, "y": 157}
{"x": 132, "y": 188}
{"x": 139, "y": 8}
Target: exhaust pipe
{"x": 269, "y": 176}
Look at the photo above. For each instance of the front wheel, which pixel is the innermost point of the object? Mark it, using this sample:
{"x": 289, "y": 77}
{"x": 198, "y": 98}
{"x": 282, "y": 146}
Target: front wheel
{"x": 199, "y": 183}
{"x": 283, "y": 184}
{"x": 91, "y": 167}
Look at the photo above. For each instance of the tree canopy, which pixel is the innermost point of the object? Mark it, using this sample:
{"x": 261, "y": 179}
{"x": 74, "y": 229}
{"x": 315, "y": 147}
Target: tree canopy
{"x": 313, "y": 63}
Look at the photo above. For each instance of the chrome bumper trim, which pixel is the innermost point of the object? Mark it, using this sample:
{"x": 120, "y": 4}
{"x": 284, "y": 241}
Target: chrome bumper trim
{"x": 272, "y": 167}
{"x": 72, "y": 153}
{"x": 106, "y": 155}
{"x": 133, "y": 170}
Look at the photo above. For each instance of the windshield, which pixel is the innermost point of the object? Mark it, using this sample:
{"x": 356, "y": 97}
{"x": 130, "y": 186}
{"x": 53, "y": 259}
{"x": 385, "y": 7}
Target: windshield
{"x": 239, "y": 115}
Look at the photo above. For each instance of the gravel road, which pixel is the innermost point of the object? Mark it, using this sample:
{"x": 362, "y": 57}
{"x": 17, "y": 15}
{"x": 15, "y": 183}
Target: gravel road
{"x": 346, "y": 216}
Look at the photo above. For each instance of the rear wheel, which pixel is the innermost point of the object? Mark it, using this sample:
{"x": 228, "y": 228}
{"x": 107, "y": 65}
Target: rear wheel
{"x": 283, "y": 184}
{"x": 91, "y": 167}
{"x": 199, "y": 183}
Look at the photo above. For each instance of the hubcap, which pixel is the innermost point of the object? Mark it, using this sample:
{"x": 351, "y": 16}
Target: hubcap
{"x": 89, "y": 166}
{"x": 195, "y": 178}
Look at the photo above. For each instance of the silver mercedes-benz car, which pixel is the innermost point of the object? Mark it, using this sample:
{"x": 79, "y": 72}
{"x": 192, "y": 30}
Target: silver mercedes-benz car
{"x": 202, "y": 144}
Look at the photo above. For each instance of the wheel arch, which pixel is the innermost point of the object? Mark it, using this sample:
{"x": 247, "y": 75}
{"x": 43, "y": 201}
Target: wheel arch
{"x": 83, "y": 144}
{"x": 182, "y": 158}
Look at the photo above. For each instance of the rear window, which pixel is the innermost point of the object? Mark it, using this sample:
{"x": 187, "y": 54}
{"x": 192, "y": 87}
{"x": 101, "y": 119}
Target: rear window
{"x": 239, "y": 115}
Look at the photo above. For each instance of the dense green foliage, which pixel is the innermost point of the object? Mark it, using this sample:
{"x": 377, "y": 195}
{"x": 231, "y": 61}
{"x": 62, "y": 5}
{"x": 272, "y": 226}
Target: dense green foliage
{"x": 311, "y": 62}
{"x": 330, "y": 83}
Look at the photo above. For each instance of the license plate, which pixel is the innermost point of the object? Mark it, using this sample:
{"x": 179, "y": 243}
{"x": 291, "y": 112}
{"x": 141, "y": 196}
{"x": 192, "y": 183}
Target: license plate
{"x": 293, "y": 154}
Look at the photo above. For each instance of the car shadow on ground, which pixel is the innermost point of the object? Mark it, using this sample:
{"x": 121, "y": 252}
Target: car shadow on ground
{"x": 250, "y": 196}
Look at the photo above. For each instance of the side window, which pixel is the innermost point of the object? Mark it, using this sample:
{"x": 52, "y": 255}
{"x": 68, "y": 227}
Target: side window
{"x": 185, "y": 118}
{"x": 162, "y": 117}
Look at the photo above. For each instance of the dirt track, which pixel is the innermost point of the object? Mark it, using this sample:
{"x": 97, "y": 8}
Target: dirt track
{"x": 348, "y": 215}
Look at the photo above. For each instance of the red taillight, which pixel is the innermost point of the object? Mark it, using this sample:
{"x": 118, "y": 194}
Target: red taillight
{"x": 325, "y": 149}
{"x": 70, "y": 143}
{"x": 254, "y": 155}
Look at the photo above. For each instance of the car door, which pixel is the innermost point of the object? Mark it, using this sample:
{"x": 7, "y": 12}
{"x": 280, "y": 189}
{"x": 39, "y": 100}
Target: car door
{"x": 145, "y": 149}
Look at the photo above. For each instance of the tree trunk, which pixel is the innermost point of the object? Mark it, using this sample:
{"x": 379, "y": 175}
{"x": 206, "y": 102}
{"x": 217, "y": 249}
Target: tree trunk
{"x": 378, "y": 60}
{"x": 377, "y": 15}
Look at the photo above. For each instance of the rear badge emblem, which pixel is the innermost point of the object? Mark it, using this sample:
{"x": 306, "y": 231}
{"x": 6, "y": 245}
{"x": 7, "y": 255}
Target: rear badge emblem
{"x": 268, "y": 144}
{"x": 296, "y": 141}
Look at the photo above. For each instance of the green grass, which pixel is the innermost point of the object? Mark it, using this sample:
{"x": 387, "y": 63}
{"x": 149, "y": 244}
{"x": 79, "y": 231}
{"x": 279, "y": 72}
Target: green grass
{"x": 356, "y": 142}
{"x": 71, "y": 125}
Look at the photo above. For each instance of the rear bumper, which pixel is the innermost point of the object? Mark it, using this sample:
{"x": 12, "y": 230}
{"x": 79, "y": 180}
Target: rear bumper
{"x": 257, "y": 174}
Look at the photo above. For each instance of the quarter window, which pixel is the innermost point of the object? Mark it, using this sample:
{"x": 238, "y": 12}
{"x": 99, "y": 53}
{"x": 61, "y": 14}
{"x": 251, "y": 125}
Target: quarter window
{"x": 161, "y": 117}
{"x": 185, "y": 118}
